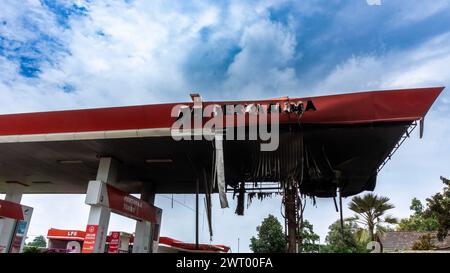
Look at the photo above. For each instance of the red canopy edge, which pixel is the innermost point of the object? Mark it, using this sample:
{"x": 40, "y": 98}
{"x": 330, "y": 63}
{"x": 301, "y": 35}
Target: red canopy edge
{"x": 64, "y": 234}
{"x": 189, "y": 246}
{"x": 352, "y": 108}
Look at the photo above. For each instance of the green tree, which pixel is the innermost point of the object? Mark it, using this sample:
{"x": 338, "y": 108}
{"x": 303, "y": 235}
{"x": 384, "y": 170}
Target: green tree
{"x": 418, "y": 221}
{"x": 307, "y": 238}
{"x": 31, "y": 249}
{"x": 343, "y": 241}
{"x": 439, "y": 208}
{"x": 425, "y": 242}
{"x": 38, "y": 241}
{"x": 270, "y": 238}
{"x": 370, "y": 212}
{"x": 416, "y": 206}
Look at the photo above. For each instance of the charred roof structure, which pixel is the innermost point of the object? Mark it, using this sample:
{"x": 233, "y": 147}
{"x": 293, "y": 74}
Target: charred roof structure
{"x": 327, "y": 145}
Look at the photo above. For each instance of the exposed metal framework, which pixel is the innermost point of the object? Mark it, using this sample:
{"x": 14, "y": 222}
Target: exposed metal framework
{"x": 406, "y": 135}
{"x": 266, "y": 187}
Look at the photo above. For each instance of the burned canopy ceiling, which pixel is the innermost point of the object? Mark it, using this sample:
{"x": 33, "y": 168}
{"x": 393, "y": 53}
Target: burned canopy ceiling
{"x": 320, "y": 157}
{"x": 336, "y": 141}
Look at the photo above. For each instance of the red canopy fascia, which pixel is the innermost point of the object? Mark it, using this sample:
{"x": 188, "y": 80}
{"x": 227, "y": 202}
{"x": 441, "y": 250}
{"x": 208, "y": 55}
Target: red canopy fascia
{"x": 353, "y": 108}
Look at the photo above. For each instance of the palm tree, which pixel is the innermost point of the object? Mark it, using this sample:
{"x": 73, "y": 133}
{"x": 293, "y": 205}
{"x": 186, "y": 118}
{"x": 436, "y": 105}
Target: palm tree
{"x": 370, "y": 210}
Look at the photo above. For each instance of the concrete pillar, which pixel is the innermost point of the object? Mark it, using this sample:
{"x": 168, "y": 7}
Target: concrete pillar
{"x": 143, "y": 237}
{"x": 107, "y": 170}
{"x": 99, "y": 215}
{"x": 14, "y": 193}
{"x": 7, "y": 226}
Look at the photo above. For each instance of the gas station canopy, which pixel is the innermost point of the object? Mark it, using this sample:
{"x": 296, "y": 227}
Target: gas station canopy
{"x": 352, "y": 134}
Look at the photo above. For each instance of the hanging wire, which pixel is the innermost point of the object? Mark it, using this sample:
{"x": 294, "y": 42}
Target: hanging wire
{"x": 176, "y": 201}
{"x": 341, "y": 213}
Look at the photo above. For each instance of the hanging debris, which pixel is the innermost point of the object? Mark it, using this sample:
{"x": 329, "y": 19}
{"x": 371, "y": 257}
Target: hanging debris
{"x": 288, "y": 165}
{"x": 240, "y": 199}
{"x": 260, "y": 195}
{"x": 281, "y": 165}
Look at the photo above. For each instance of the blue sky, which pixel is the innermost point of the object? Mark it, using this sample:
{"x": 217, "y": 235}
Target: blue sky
{"x": 77, "y": 54}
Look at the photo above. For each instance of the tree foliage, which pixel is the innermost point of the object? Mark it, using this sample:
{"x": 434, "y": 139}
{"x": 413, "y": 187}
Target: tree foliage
{"x": 439, "y": 208}
{"x": 416, "y": 206}
{"x": 307, "y": 238}
{"x": 270, "y": 238}
{"x": 31, "y": 249}
{"x": 425, "y": 242}
{"x": 418, "y": 221}
{"x": 343, "y": 242}
{"x": 370, "y": 211}
{"x": 38, "y": 241}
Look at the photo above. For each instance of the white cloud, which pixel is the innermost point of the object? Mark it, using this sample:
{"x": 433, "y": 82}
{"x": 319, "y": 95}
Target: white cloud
{"x": 21, "y": 15}
{"x": 262, "y": 66}
{"x": 141, "y": 51}
{"x": 419, "y": 10}
{"x": 425, "y": 65}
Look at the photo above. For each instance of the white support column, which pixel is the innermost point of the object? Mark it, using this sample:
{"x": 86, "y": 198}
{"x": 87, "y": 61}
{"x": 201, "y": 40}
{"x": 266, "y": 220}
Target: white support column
{"x": 7, "y": 226}
{"x": 99, "y": 215}
{"x": 143, "y": 236}
{"x": 107, "y": 170}
{"x": 14, "y": 193}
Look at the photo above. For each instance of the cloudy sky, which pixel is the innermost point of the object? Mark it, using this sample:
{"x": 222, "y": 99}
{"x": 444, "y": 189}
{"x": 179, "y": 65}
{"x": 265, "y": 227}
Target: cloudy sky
{"x": 78, "y": 54}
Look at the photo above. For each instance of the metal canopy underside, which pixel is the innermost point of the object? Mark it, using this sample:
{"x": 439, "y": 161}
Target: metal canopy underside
{"x": 354, "y": 150}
